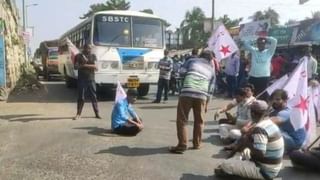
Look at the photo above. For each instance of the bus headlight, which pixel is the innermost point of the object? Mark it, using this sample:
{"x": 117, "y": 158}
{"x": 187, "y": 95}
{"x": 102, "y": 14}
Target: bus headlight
{"x": 109, "y": 65}
{"x": 152, "y": 65}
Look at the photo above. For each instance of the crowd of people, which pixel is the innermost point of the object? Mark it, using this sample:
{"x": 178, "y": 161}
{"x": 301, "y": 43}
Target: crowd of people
{"x": 257, "y": 136}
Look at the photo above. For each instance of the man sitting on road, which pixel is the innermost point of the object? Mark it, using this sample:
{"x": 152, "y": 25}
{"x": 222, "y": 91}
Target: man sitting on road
{"x": 262, "y": 149}
{"x": 241, "y": 119}
{"x": 124, "y": 119}
{"x": 293, "y": 139}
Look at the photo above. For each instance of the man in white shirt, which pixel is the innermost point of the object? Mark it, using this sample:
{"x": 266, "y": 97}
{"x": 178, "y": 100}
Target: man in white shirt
{"x": 312, "y": 62}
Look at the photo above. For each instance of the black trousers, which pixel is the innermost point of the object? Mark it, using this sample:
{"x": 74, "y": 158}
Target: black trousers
{"x": 307, "y": 160}
{"x": 163, "y": 84}
{"x": 87, "y": 87}
{"x": 260, "y": 84}
{"x": 127, "y": 130}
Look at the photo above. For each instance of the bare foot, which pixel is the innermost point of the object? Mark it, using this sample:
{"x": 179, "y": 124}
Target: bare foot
{"x": 77, "y": 117}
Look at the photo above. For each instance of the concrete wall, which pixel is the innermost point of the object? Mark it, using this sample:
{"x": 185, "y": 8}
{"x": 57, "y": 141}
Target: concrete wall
{"x": 13, "y": 41}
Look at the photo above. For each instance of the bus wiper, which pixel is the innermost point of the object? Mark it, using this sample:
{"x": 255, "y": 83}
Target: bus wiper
{"x": 125, "y": 33}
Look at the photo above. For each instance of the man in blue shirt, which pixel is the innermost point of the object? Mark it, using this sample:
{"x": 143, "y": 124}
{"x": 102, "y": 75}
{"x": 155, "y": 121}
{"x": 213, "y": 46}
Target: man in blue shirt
{"x": 124, "y": 119}
{"x": 260, "y": 63}
{"x": 293, "y": 139}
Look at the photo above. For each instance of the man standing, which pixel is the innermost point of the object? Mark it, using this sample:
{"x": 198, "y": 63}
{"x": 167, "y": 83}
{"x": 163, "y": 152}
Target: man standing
{"x": 124, "y": 119}
{"x": 85, "y": 63}
{"x": 232, "y": 72}
{"x": 165, "y": 66}
{"x": 260, "y": 64}
{"x": 312, "y": 63}
{"x": 196, "y": 91}
{"x": 262, "y": 149}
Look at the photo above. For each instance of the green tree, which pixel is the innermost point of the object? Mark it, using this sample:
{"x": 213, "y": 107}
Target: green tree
{"x": 228, "y": 23}
{"x": 118, "y": 5}
{"x": 109, "y": 5}
{"x": 267, "y": 14}
{"x": 149, "y": 11}
{"x": 192, "y": 28}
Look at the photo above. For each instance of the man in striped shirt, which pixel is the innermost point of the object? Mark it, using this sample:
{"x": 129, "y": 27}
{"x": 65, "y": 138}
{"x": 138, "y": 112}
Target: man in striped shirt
{"x": 196, "y": 91}
{"x": 263, "y": 149}
{"x": 165, "y": 66}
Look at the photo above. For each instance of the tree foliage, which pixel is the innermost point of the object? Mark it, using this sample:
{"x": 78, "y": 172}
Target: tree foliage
{"x": 192, "y": 28}
{"x": 228, "y": 23}
{"x": 149, "y": 11}
{"x": 109, "y": 5}
{"x": 291, "y": 22}
{"x": 267, "y": 14}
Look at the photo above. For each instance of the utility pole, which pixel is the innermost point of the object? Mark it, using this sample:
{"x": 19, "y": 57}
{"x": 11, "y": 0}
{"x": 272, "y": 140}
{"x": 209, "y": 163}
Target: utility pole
{"x": 24, "y": 30}
{"x": 212, "y": 20}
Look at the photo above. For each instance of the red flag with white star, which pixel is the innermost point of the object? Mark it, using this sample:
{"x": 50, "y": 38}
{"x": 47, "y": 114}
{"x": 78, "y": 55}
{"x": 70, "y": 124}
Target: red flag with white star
{"x": 221, "y": 43}
{"x": 297, "y": 88}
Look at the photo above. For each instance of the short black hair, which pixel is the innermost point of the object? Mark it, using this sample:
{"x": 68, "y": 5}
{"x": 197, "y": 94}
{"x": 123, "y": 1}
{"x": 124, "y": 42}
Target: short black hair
{"x": 132, "y": 92}
{"x": 280, "y": 92}
{"x": 262, "y": 40}
{"x": 206, "y": 54}
{"x": 249, "y": 85}
{"x": 240, "y": 92}
{"x": 194, "y": 51}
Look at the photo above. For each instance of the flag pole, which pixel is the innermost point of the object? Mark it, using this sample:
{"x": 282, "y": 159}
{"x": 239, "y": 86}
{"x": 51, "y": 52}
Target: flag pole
{"x": 315, "y": 141}
{"x": 293, "y": 72}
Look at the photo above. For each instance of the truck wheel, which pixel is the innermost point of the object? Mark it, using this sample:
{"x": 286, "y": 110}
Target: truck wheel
{"x": 143, "y": 89}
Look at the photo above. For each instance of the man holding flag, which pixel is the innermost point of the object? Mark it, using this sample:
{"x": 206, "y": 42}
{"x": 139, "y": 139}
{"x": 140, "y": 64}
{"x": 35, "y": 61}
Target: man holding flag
{"x": 124, "y": 120}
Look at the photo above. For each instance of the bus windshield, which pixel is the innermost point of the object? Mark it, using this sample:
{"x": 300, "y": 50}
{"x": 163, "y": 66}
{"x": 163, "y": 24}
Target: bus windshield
{"x": 147, "y": 33}
{"x": 112, "y": 30}
{"x": 115, "y": 30}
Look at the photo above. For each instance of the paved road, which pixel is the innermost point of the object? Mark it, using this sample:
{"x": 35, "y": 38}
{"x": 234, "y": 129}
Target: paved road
{"x": 40, "y": 141}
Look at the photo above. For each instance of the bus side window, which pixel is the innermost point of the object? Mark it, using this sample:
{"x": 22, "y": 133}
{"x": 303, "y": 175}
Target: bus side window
{"x": 63, "y": 48}
{"x": 86, "y": 36}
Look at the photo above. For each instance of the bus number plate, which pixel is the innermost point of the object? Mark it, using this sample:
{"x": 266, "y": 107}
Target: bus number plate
{"x": 133, "y": 82}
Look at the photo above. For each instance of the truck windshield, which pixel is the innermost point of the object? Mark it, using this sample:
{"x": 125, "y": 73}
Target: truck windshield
{"x": 53, "y": 54}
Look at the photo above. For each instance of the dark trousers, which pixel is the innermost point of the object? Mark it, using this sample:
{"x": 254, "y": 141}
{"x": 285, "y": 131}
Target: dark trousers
{"x": 89, "y": 87}
{"x": 306, "y": 160}
{"x": 232, "y": 82}
{"x": 260, "y": 84}
{"x": 163, "y": 84}
{"x": 127, "y": 130}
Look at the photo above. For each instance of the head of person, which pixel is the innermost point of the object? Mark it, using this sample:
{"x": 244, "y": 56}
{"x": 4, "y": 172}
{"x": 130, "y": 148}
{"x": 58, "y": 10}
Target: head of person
{"x": 86, "y": 49}
{"x": 258, "y": 110}
{"x": 313, "y": 83}
{"x": 261, "y": 43}
{"x": 132, "y": 95}
{"x": 206, "y": 54}
{"x": 279, "y": 99}
{"x": 166, "y": 52}
{"x": 249, "y": 88}
{"x": 308, "y": 51}
{"x": 240, "y": 95}
{"x": 194, "y": 52}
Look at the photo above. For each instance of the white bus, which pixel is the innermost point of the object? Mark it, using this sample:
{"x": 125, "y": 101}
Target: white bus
{"x": 128, "y": 46}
